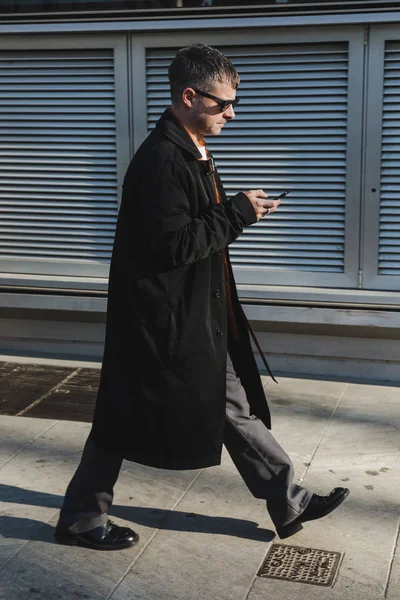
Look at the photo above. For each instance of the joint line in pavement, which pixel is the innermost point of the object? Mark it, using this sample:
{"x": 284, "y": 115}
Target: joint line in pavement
{"x": 53, "y": 389}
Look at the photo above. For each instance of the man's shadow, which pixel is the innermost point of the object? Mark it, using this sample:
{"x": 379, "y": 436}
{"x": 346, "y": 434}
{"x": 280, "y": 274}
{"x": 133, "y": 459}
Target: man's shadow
{"x": 154, "y": 518}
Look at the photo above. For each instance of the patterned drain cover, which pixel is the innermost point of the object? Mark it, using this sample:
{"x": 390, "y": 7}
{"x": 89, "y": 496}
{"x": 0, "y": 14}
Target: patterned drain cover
{"x": 305, "y": 565}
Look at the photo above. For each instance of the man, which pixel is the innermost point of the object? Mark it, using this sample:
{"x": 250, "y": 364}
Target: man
{"x": 179, "y": 377}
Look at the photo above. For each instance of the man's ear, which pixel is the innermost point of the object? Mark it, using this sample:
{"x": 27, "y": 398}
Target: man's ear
{"x": 187, "y": 97}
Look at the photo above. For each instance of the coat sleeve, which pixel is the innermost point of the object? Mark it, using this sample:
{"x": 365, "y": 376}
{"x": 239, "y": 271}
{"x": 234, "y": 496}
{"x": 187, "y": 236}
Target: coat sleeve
{"x": 175, "y": 236}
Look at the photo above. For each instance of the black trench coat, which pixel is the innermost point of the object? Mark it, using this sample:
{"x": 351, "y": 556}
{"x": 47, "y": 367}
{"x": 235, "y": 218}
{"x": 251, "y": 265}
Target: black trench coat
{"x": 161, "y": 400}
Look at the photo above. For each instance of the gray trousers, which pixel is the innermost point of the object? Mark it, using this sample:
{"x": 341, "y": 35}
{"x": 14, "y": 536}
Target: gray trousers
{"x": 263, "y": 464}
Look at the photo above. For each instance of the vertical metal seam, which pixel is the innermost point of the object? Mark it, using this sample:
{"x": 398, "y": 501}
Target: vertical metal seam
{"x": 363, "y": 157}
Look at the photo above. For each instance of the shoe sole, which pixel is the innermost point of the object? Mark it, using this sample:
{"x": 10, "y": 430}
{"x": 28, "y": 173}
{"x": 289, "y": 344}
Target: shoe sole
{"x": 289, "y": 529}
{"x": 296, "y": 525}
{"x": 74, "y": 540}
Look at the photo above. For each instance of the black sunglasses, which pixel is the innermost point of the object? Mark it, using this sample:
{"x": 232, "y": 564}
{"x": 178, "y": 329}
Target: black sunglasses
{"x": 223, "y": 104}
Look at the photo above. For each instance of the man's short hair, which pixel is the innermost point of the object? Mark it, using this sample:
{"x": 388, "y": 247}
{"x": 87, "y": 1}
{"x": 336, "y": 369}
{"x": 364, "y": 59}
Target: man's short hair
{"x": 200, "y": 66}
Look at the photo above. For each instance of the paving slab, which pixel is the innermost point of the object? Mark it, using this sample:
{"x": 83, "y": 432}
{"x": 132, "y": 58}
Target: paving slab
{"x": 367, "y": 423}
{"x": 270, "y": 589}
{"x": 301, "y": 410}
{"x": 209, "y": 547}
{"x": 22, "y": 384}
{"x": 73, "y": 400}
{"x": 393, "y": 588}
{"x": 33, "y": 482}
{"x": 33, "y": 485}
{"x": 17, "y": 433}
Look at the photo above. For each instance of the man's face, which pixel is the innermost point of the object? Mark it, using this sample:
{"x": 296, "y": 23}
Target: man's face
{"x": 206, "y": 117}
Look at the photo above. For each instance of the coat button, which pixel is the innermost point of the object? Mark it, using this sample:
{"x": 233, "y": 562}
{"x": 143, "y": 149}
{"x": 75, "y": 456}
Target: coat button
{"x": 219, "y": 253}
{"x": 220, "y": 333}
{"x": 217, "y": 294}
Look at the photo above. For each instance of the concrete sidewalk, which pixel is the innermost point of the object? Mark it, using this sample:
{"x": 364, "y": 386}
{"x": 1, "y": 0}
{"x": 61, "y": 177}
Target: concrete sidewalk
{"x": 202, "y": 535}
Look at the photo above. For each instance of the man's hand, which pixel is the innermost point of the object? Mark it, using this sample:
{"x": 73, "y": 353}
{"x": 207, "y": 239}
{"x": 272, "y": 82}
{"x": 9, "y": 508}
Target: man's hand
{"x": 261, "y": 204}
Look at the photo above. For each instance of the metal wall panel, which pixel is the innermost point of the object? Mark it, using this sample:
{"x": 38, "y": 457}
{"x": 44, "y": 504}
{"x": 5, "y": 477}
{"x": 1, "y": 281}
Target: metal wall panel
{"x": 389, "y": 230}
{"x": 58, "y": 183}
{"x": 58, "y": 159}
{"x": 381, "y": 256}
{"x": 291, "y": 132}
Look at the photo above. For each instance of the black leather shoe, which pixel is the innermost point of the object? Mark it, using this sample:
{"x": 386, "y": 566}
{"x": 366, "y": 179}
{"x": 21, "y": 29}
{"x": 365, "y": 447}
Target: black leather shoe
{"x": 105, "y": 537}
{"x": 319, "y": 506}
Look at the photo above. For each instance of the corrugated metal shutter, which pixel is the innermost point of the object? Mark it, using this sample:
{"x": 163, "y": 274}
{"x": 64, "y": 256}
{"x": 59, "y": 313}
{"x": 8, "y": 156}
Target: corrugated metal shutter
{"x": 389, "y": 230}
{"x": 58, "y": 183}
{"x": 290, "y": 132}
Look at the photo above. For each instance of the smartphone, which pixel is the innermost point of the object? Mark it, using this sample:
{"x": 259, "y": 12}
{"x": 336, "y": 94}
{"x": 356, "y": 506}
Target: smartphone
{"x": 285, "y": 193}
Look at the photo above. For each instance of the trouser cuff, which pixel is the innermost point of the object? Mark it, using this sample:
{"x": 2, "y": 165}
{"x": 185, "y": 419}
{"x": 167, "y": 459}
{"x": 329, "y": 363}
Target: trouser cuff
{"x": 85, "y": 524}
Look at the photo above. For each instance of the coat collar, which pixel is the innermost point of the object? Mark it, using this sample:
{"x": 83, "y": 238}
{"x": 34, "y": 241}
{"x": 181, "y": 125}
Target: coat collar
{"x": 174, "y": 130}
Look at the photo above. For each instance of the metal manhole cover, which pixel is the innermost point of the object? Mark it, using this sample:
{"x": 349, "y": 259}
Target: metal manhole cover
{"x": 305, "y": 565}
